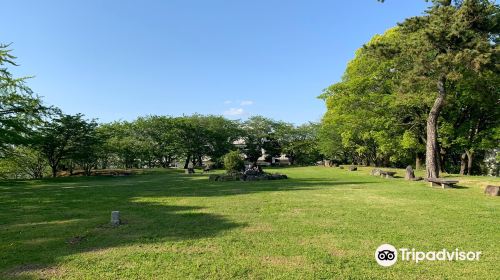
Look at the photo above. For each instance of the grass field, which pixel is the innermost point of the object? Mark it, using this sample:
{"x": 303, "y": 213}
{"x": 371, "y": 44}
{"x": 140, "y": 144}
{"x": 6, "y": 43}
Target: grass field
{"x": 322, "y": 223}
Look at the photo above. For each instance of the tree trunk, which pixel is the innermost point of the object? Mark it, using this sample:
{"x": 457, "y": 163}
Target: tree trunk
{"x": 87, "y": 169}
{"x": 469, "y": 162}
{"x": 463, "y": 163}
{"x": 442, "y": 159}
{"x": 186, "y": 163}
{"x": 431, "y": 150}
{"x": 418, "y": 162}
{"x": 54, "y": 171}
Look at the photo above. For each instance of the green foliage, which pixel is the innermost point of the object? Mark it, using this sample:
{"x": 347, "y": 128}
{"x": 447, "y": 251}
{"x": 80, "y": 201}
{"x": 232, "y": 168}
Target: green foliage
{"x": 156, "y": 141}
{"x": 123, "y": 147}
{"x": 262, "y": 133}
{"x": 364, "y": 119}
{"x": 301, "y": 143}
{"x": 9, "y": 169}
{"x": 20, "y": 109}
{"x": 210, "y": 136}
{"x": 24, "y": 163}
{"x": 233, "y": 162}
{"x": 68, "y": 137}
{"x": 379, "y": 113}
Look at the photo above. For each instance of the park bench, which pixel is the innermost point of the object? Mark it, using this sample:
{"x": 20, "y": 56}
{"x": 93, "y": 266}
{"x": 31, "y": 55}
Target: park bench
{"x": 435, "y": 182}
{"x": 387, "y": 174}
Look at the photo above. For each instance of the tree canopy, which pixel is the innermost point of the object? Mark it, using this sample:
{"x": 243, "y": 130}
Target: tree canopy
{"x": 408, "y": 88}
{"x": 20, "y": 109}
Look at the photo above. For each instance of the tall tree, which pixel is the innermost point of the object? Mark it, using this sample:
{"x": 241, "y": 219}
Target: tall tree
{"x": 366, "y": 118}
{"x": 86, "y": 147}
{"x": 301, "y": 143}
{"x": 59, "y": 138}
{"x": 20, "y": 109}
{"x": 261, "y": 135}
{"x": 449, "y": 40}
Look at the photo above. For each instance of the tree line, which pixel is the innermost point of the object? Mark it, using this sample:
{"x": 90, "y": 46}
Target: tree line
{"x": 71, "y": 142}
{"x": 38, "y": 140}
{"x": 426, "y": 91}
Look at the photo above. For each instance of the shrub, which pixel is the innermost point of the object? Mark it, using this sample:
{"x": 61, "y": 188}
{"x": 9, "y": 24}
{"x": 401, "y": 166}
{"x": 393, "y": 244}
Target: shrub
{"x": 233, "y": 162}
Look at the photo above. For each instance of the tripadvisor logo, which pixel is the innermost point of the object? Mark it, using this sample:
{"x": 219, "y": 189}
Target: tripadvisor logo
{"x": 387, "y": 255}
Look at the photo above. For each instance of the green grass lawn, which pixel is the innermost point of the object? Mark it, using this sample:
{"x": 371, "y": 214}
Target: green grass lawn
{"x": 322, "y": 223}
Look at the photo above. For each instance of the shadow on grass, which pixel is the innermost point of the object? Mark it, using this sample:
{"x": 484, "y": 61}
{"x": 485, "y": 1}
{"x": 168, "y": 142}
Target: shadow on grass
{"x": 44, "y": 220}
{"x": 459, "y": 187}
{"x": 39, "y": 241}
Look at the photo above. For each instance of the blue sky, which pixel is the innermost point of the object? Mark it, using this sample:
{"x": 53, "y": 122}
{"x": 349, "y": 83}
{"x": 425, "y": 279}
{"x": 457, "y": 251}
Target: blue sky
{"x": 120, "y": 59}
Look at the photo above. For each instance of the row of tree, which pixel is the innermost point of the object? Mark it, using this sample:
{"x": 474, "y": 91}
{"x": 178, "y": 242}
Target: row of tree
{"x": 160, "y": 141}
{"x": 428, "y": 88}
{"x": 36, "y": 139}
{"x": 69, "y": 143}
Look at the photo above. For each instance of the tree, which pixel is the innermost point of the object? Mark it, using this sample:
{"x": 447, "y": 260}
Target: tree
{"x": 20, "y": 109}
{"x": 261, "y": 134}
{"x": 301, "y": 143}
{"x": 450, "y": 40}
{"x": 193, "y": 139}
{"x": 59, "y": 139}
{"x": 162, "y": 134}
{"x": 29, "y": 162}
{"x": 123, "y": 144}
{"x": 220, "y": 135}
{"x": 366, "y": 118}
{"x": 205, "y": 136}
{"x": 472, "y": 118}
{"x": 86, "y": 146}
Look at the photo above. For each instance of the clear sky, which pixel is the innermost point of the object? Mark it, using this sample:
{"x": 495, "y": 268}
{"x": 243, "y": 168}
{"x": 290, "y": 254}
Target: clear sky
{"x": 119, "y": 59}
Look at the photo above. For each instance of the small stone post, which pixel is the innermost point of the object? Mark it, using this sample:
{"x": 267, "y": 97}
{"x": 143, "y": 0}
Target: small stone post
{"x": 115, "y": 218}
{"x": 410, "y": 174}
{"x": 492, "y": 190}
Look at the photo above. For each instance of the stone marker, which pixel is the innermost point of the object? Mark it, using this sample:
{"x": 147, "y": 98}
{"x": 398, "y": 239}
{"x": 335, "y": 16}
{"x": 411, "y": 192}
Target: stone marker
{"x": 492, "y": 190}
{"x": 376, "y": 172}
{"x": 115, "y": 218}
{"x": 410, "y": 174}
{"x": 353, "y": 168}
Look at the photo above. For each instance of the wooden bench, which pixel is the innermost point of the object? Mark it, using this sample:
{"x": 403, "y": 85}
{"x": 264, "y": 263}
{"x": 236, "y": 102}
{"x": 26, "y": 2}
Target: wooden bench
{"x": 435, "y": 182}
{"x": 387, "y": 174}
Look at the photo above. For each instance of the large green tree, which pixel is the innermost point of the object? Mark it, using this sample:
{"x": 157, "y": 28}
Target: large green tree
{"x": 451, "y": 39}
{"x": 300, "y": 143}
{"x": 20, "y": 109}
{"x": 366, "y": 119}
{"x": 263, "y": 134}
{"x": 66, "y": 137}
